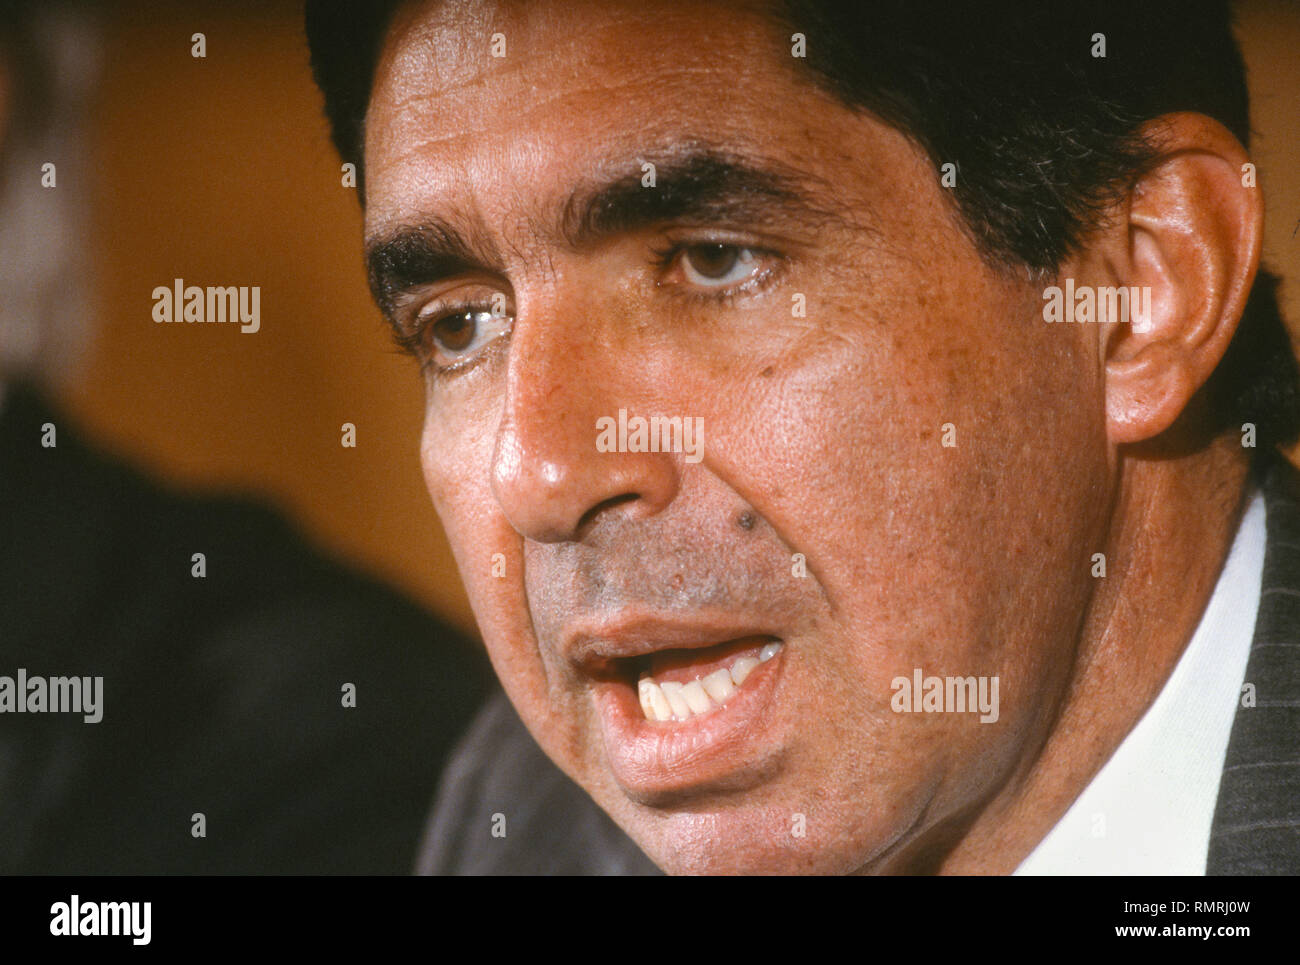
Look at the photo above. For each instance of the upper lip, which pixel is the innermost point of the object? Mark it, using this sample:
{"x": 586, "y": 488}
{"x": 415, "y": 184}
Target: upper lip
{"x": 594, "y": 643}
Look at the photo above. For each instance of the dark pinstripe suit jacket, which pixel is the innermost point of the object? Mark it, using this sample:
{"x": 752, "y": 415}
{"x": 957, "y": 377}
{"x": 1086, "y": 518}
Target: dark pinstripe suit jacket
{"x": 554, "y": 828}
{"x": 1256, "y": 829}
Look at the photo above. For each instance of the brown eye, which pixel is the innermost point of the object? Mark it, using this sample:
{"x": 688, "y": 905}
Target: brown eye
{"x": 450, "y": 340}
{"x": 712, "y": 261}
{"x": 455, "y": 333}
{"x": 717, "y": 266}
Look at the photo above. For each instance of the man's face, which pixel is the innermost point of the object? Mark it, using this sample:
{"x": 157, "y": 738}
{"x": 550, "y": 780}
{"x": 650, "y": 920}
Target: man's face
{"x": 795, "y": 279}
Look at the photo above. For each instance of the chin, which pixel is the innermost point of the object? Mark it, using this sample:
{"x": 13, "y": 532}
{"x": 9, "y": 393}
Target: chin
{"x": 736, "y": 840}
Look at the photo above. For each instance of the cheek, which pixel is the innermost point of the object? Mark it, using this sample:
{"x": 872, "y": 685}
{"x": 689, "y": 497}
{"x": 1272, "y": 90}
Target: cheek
{"x": 457, "y": 483}
{"x": 930, "y": 555}
{"x": 457, "y": 473}
{"x": 489, "y": 555}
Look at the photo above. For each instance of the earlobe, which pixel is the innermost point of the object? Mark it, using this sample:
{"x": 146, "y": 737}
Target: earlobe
{"x": 1151, "y": 391}
{"x": 1193, "y": 239}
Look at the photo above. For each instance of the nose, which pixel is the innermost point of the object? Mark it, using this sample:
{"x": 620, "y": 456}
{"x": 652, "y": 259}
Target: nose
{"x": 549, "y": 477}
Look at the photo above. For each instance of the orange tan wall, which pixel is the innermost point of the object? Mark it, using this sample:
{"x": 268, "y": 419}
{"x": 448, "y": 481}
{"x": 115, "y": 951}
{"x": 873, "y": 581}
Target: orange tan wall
{"x": 219, "y": 171}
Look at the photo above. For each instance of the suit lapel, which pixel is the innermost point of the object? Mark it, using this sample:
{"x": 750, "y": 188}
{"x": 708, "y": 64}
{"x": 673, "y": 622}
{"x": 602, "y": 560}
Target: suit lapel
{"x": 1256, "y": 827}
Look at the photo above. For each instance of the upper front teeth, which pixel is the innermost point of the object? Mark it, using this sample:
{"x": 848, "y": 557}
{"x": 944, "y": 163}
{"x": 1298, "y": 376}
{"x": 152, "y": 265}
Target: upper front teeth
{"x": 671, "y": 700}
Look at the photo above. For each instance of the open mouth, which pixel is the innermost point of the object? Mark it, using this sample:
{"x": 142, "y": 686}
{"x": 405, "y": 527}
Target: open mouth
{"x": 685, "y": 706}
{"x": 678, "y": 685}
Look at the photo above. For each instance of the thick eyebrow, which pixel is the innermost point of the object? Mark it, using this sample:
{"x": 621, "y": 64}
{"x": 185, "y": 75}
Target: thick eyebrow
{"x": 413, "y": 255}
{"x": 692, "y": 185}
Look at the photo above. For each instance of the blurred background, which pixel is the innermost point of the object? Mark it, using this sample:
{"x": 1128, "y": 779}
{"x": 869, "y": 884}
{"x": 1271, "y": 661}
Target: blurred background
{"x": 219, "y": 171}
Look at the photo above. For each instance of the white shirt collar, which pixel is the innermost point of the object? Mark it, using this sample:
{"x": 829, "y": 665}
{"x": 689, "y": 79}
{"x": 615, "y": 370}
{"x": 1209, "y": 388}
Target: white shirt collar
{"x": 1148, "y": 810}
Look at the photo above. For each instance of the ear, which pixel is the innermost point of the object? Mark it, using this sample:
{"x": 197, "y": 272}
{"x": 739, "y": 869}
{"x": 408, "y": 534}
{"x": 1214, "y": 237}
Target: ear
{"x": 1193, "y": 238}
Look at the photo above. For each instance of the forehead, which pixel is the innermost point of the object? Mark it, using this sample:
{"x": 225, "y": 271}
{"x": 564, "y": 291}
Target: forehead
{"x": 581, "y": 88}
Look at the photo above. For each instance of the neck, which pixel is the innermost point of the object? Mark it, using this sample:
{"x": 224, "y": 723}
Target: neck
{"x": 1171, "y": 530}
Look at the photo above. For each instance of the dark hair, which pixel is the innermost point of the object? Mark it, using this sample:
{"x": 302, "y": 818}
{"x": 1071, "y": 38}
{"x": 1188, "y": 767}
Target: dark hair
{"x": 1044, "y": 132}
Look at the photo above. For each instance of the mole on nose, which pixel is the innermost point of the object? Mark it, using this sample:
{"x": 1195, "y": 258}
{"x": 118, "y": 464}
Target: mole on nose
{"x": 745, "y": 520}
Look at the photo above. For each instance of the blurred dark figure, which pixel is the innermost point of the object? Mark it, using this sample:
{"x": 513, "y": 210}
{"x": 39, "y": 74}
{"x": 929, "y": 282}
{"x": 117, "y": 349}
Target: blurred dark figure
{"x": 228, "y": 741}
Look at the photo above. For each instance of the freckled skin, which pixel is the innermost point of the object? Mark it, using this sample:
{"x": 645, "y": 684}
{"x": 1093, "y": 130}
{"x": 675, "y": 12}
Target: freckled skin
{"x": 822, "y": 437}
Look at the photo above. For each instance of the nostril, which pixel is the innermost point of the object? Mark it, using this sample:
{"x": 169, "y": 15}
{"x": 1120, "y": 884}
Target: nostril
{"x": 589, "y": 517}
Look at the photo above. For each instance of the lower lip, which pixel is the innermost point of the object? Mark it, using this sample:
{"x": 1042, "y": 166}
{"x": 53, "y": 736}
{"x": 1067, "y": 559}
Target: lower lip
{"x": 652, "y": 758}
